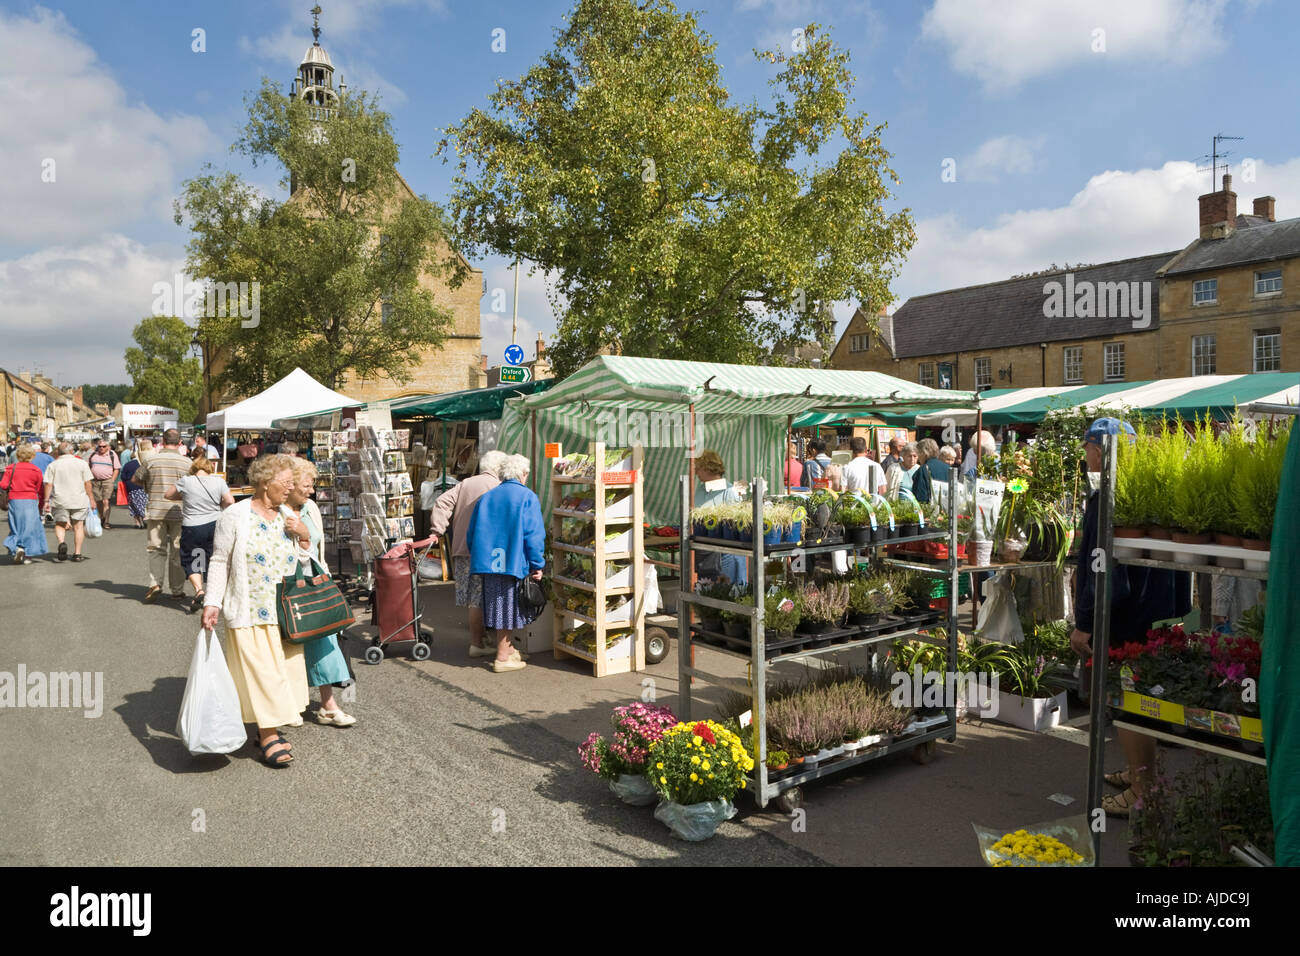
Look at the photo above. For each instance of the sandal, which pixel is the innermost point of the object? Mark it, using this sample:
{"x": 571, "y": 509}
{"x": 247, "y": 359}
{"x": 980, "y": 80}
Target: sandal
{"x": 274, "y": 759}
{"x": 1119, "y": 779}
{"x": 335, "y": 717}
{"x": 1120, "y": 804}
{"x": 197, "y": 603}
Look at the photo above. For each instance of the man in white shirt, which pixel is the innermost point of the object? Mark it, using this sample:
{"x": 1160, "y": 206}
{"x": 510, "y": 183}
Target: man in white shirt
{"x": 212, "y": 453}
{"x": 863, "y": 474}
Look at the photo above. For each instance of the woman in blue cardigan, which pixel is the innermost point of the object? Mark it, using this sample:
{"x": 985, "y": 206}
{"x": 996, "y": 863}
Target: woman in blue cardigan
{"x": 506, "y": 538}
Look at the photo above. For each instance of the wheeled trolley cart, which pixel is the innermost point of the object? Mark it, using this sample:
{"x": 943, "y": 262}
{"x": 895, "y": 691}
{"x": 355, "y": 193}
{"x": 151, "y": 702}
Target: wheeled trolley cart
{"x": 396, "y": 609}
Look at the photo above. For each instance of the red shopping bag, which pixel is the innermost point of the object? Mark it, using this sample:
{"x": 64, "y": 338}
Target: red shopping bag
{"x": 121, "y": 494}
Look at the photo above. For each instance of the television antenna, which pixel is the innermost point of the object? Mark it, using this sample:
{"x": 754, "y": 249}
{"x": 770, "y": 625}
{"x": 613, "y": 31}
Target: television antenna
{"x": 1214, "y": 156}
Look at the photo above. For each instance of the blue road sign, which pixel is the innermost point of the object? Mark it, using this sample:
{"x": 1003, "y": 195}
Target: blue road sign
{"x": 514, "y": 354}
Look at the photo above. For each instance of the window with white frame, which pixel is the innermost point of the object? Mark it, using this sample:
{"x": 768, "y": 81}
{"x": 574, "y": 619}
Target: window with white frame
{"x": 925, "y": 374}
{"x": 983, "y": 373}
{"x": 1205, "y": 291}
{"x": 859, "y": 343}
{"x": 1268, "y": 282}
{"x": 1268, "y": 350}
{"x": 1074, "y": 365}
{"x": 1113, "y": 361}
{"x": 1203, "y": 355}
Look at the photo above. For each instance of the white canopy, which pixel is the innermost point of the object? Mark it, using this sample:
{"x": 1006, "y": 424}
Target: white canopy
{"x": 295, "y": 394}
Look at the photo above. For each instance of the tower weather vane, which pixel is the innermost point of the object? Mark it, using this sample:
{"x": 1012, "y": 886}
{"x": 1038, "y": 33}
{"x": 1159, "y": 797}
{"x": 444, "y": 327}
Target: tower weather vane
{"x": 315, "y": 23}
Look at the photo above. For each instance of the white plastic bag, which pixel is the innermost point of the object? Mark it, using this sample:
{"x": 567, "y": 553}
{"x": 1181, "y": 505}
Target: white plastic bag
{"x": 694, "y": 821}
{"x": 210, "y": 721}
{"x": 999, "y": 619}
{"x": 653, "y": 601}
{"x": 634, "y": 789}
{"x": 94, "y": 527}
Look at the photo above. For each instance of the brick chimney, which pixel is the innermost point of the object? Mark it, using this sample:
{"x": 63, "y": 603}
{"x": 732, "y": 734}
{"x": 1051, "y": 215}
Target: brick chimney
{"x": 1264, "y": 208}
{"x": 1219, "y": 212}
{"x": 483, "y": 360}
{"x": 541, "y": 348}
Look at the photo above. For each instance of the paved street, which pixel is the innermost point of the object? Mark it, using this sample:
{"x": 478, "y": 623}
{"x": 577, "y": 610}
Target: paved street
{"x": 443, "y": 750}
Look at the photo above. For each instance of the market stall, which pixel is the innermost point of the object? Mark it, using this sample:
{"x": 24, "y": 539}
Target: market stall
{"x": 297, "y": 394}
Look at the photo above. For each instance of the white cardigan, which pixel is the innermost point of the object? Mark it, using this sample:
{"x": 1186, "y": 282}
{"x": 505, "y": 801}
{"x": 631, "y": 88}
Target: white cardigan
{"x": 227, "y": 586}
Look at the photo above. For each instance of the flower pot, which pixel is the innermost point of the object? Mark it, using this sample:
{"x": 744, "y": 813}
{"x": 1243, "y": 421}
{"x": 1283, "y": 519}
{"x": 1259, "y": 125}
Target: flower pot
{"x": 725, "y": 530}
{"x": 698, "y": 530}
{"x": 809, "y": 626}
{"x": 1011, "y": 551}
{"x": 781, "y": 769}
{"x": 893, "y": 533}
{"x": 1255, "y": 544}
{"x": 909, "y": 530}
{"x": 1159, "y": 533}
{"x": 983, "y": 552}
{"x": 735, "y": 628}
{"x": 1182, "y": 537}
{"x": 1125, "y": 532}
{"x": 773, "y": 538}
{"x": 1227, "y": 540}
{"x": 794, "y": 534}
{"x": 711, "y": 623}
{"x": 694, "y": 821}
{"x": 633, "y": 789}
{"x": 745, "y": 536}
{"x": 864, "y": 620}
{"x": 870, "y": 740}
{"x": 829, "y": 754}
{"x": 861, "y": 537}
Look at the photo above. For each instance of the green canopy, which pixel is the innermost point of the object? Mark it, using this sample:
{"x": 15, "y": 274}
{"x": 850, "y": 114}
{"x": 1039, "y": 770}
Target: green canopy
{"x": 1279, "y": 704}
{"x": 474, "y": 404}
{"x": 740, "y": 411}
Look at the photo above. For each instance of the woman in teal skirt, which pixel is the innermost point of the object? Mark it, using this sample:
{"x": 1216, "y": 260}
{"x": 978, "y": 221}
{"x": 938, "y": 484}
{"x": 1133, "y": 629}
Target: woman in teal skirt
{"x": 326, "y": 665}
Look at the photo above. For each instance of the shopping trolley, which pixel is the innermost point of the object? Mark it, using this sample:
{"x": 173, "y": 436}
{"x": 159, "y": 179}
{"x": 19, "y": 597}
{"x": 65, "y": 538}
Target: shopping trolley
{"x": 396, "y": 609}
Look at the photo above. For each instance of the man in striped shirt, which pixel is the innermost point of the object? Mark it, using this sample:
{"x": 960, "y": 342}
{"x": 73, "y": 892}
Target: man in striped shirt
{"x": 160, "y": 471}
{"x": 105, "y": 466}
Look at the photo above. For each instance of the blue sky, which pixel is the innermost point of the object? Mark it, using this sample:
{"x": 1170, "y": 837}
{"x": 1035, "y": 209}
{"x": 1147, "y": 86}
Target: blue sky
{"x": 1068, "y": 144}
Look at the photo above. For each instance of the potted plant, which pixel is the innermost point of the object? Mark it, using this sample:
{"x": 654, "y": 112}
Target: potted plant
{"x": 856, "y": 516}
{"x": 781, "y": 614}
{"x": 777, "y": 761}
{"x": 621, "y": 760}
{"x": 711, "y": 618}
{"x": 906, "y": 517}
{"x": 822, "y": 608}
{"x": 696, "y": 769}
{"x": 886, "y": 527}
{"x": 736, "y": 624}
{"x": 869, "y": 599}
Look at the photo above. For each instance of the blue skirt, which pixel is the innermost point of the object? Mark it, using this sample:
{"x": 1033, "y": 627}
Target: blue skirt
{"x": 501, "y": 603}
{"x": 325, "y": 662}
{"x": 25, "y": 528}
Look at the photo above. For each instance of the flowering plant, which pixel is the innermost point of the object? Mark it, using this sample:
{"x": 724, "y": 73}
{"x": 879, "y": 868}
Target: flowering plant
{"x": 694, "y": 763}
{"x": 1197, "y": 670}
{"x": 1023, "y": 848}
{"x": 637, "y": 727}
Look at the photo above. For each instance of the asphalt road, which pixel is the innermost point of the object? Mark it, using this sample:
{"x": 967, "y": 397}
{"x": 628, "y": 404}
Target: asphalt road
{"x": 448, "y": 763}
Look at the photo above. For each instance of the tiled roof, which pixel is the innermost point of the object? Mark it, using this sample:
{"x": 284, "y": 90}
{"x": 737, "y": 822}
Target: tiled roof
{"x": 1254, "y": 241}
{"x": 1010, "y": 312}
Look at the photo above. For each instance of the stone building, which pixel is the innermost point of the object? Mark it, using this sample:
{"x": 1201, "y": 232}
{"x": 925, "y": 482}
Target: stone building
{"x": 1229, "y": 303}
{"x": 457, "y": 364}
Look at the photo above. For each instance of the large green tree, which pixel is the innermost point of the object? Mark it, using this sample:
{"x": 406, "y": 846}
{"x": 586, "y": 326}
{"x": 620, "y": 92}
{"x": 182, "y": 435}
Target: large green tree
{"x": 674, "y": 222}
{"x": 161, "y": 367}
{"x": 337, "y": 261}
{"x": 110, "y": 395}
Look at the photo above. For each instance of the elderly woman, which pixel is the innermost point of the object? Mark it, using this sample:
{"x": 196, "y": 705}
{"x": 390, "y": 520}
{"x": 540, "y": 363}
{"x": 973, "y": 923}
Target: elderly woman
{"x": 137, "y": 499}
{"x": 714, "y": 488}
{"x": 26, "y": 488}
{"x": 506, "y": 540}
{"x": 326, "y": 664}
{"x": 203, "y": 496}
{"x": 254, "y": 548}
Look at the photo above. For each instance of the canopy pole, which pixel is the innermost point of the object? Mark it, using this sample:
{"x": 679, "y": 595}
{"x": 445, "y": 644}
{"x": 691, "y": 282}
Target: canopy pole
{"x": 789, "y": 436}
{"x": 532, "y": 456}
{"x": 225, "y": 440}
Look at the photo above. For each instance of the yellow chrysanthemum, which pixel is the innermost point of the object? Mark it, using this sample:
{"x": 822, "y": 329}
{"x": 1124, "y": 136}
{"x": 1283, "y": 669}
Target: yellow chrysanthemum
{"x": 694, "y": 777}
{"x": 695, "y": 760}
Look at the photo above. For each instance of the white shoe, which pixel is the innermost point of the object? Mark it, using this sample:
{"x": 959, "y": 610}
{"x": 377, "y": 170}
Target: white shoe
{"x": 296, "y": 722}
{"x": 514, "y": 664}
{"x": 334, "y": 718}
{"x": 476, "y": 651}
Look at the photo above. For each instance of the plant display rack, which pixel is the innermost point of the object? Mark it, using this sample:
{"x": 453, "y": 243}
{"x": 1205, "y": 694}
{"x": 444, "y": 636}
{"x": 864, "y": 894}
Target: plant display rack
{"x": 1167, "y": 720}
{"x": 786, "y": 790}
{"x": 608, "y": 632}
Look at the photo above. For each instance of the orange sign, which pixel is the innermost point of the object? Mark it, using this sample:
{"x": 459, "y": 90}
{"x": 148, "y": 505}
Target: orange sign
{"x": 553, "y": 450}
{"x": 618, "y": 477}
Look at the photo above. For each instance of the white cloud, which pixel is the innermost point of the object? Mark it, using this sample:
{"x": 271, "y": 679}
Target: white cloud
{"x": 71, "y": 308}
{"x": 113, "y": 162}
{"x": 1006, "y": 42}
{"x": 1116, "y": 215}
{"x": 995, "y": 157}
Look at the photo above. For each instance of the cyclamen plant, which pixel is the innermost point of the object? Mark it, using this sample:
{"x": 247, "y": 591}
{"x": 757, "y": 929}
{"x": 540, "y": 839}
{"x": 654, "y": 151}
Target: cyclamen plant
{"x": 636, "y": 727}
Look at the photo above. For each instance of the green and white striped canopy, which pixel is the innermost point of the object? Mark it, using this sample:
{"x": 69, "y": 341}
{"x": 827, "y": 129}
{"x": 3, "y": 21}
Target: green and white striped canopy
{"x": 1216, "y": 395}
{"x": 740, "y": 411}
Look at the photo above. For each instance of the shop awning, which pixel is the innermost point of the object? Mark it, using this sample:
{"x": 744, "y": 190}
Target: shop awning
{"x": 474, "y": 404}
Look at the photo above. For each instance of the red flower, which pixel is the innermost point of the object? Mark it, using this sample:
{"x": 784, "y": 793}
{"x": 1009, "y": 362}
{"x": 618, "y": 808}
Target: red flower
{"x": 702, "y": 731}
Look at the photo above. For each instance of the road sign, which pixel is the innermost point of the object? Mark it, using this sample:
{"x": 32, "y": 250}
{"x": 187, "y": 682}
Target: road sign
{"x": 515, "y": 374}
{"x": 515, "y": 356}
